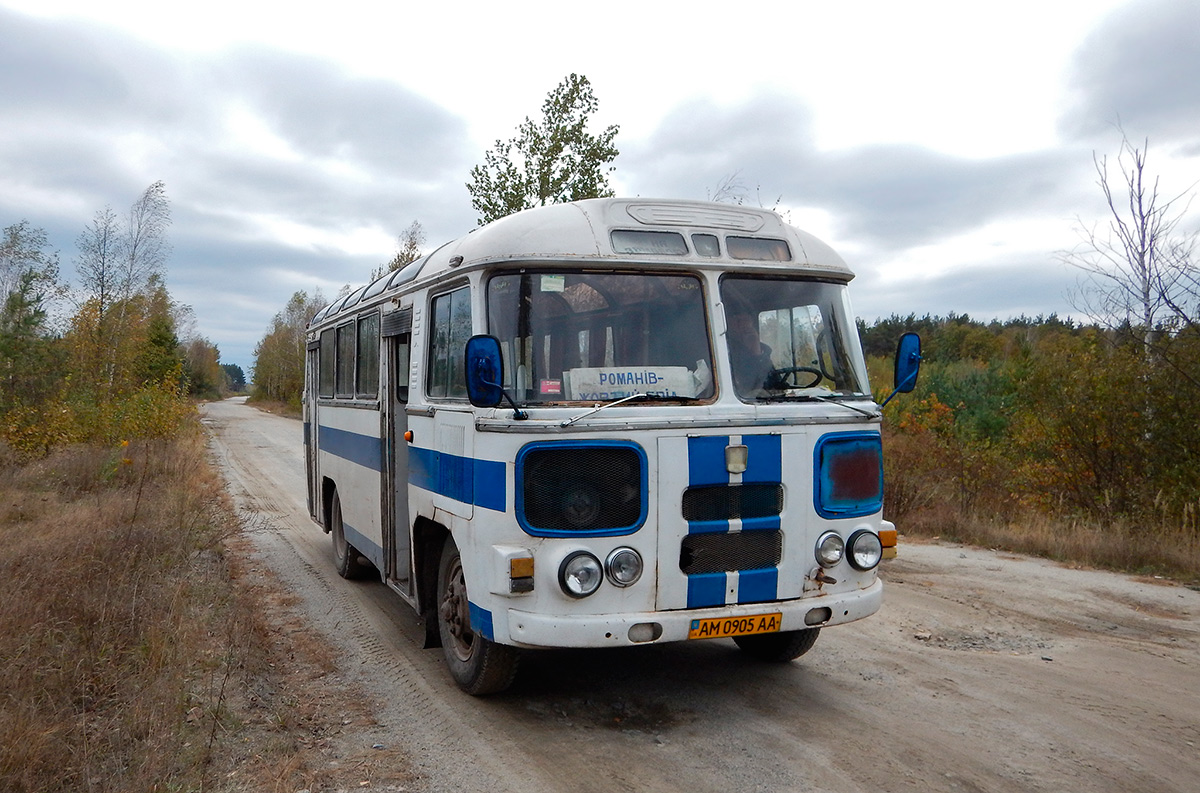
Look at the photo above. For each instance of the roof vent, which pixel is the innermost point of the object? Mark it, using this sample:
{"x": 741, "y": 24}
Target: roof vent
{"x": 659, "y": 214}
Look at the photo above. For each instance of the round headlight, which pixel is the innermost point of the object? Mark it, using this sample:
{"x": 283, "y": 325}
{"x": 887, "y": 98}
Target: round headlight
{"x": 830, "y": 549}
{"x": 865, "y": 549}
{"x": 580, "y": 574}
{"x": 624, "y": 567}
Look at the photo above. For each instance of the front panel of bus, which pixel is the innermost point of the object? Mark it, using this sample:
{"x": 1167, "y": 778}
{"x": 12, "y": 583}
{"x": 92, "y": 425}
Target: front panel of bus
{"x": 685, "y": 445}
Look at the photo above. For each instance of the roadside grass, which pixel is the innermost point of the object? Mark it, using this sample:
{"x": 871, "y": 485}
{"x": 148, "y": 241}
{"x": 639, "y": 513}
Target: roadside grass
{"x": 143, "y": 650}
{"x": 1159, "y": 545}
{"x": 290, "y": 409}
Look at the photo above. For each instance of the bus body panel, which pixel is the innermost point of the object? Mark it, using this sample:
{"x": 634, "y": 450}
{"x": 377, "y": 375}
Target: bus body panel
{"x": 351, "y": 457}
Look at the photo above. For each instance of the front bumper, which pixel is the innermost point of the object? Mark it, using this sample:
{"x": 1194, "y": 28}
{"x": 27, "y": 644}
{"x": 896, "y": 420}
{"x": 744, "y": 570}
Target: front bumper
{"x": 527, "y": 629}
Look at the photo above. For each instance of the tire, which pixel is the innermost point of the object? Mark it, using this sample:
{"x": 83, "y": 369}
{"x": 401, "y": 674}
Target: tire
{"x": 778, "y": 647}
{"x": 349, "y": 562}
{"x": 479, "y": 666}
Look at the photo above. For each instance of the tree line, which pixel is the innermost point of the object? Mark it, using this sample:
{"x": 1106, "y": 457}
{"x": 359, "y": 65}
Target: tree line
{"x": 110, "y": 356}
{"x": 1091, "y": 421}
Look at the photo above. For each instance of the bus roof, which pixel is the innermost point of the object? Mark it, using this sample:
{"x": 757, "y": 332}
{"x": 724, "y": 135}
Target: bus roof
{"x": 648, "y": 231}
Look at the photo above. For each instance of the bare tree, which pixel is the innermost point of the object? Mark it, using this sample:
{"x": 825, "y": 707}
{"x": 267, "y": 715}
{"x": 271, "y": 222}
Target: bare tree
{"x": 732, "y": 190}
{"x": 145, "y": 248}
{"x": 1138, "y": 270}
{"x": 408, "y": 246}
{"x": 98, "y": 262}
{"x": 118, "y": 260}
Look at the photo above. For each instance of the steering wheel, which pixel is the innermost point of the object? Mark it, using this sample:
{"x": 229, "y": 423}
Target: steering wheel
{"x": 781, "y": 376}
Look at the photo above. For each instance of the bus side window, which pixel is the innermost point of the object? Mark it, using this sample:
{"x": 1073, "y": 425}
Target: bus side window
{"x": 345, "y": 360}
{"x": 367, "y": 377}
{"x": 328, "y": 356}
{"x": 451, "y": 316}
{"x": 400, "y": 372}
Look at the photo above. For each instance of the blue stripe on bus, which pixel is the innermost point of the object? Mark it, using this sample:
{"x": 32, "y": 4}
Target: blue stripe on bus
{"x": 481, "y": 621}
{"x": 466, "y": 479}
{"x": 706, "y": 467}
{"x": 706, "y": 589}
{"x": 479, "y": 482}
{"x": 365, "y": 450}
{"x": 758, "y": 586}
{"x": 764, "y": 461}
{"x": 706, "y": 460}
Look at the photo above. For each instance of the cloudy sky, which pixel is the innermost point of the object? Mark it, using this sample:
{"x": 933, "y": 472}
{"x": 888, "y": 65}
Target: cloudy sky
{"x": 944, "y": 148}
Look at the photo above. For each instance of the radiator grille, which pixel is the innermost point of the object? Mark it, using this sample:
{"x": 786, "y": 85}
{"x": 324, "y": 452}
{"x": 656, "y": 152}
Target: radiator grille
{"x": 733, "y": 502}
{"x": 582, "y": 489}
{"x": 728, "y": 552}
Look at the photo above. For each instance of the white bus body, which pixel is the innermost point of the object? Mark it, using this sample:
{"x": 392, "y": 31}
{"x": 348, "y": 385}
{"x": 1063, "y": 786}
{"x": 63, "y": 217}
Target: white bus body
{"x": 634, "y": 478}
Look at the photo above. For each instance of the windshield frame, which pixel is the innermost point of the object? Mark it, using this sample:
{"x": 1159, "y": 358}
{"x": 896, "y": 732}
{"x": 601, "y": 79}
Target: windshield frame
{"x": 595, "y": 335}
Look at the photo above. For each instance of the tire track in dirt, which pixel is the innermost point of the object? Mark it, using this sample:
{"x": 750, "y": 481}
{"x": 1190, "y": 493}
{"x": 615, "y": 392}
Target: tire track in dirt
{"x": 983, "y": 671}
{"x": 417, "y": 713}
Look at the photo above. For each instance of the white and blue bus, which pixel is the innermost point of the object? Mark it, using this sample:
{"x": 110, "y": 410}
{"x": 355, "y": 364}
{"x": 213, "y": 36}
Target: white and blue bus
{"x": 606, "y": 423}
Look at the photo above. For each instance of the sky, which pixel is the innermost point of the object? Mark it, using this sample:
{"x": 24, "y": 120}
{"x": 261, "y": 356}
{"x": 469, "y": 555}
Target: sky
{"x": 944, "y": 149}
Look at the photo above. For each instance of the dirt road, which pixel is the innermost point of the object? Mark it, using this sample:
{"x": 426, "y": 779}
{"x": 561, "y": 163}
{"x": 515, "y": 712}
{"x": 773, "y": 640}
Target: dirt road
{"x": 982, "y": 672}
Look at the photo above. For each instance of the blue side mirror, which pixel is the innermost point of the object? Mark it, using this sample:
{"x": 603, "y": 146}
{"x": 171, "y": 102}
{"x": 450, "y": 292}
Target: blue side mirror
{"x": 485, "y": 371}
{"x": 908, "y": 362}
{"x": 908, "y": 365}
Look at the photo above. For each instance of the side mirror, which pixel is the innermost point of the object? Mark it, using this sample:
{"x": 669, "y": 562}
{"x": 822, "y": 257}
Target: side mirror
{"x": 485, "y": 371}
{"x": 908, "y": 362}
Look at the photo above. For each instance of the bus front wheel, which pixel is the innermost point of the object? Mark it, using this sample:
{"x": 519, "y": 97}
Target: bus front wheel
{"x": 779, "y": 647}
{"x": 478, "y": 665}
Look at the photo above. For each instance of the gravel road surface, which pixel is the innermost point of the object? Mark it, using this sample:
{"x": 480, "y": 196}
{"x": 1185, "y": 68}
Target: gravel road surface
{"x": 984, "y": 671}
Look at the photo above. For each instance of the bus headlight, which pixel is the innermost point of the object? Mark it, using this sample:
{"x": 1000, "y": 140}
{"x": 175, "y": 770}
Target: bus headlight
{"x": 580, "y": 574}
{"x": 830, "y": 549}
{"x": 865, "y": 549}
{"x": 624, "y": 567}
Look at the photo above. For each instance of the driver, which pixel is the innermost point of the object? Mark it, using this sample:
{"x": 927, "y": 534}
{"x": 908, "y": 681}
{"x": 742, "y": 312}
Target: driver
{"x": 753, "y": 369}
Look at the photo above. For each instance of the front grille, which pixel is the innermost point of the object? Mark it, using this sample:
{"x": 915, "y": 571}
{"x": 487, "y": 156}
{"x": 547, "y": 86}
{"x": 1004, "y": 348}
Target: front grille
{"x": 727, "y": 552}
{"x": 593, "y": 489}
{"x": 733, "y": 502}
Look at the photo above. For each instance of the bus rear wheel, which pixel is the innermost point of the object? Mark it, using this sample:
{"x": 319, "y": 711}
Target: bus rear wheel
{"x": 346, "y": 557}
{"x": 478, "y": 665}
{"x": 778, "y": 647}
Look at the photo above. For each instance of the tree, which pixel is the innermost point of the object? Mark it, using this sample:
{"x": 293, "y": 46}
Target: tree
{"x": 408, "y": 249}
{"x": 234, "y": 376}
{"x": 120, "y": 265}
{"x": 28, "y": 282}
{"x": 279, "y": 356}
{"x": 1139, "y": 272}
{"x": 97, "y": 263}
{"x": 202, "y": 368}
{"x": 144, "y": 248}
{"x": 548, "y": 162}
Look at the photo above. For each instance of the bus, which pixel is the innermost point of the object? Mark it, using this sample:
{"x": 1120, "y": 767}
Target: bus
{"x": 605, "y": 423}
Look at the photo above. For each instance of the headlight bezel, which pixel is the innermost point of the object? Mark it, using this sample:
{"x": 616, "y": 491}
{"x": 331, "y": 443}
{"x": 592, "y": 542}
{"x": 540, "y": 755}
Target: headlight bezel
{"x": 830, "y": 549}
{"x": 566, "y": 571}
{"x": 872, "y": 551}
{"x": 611, "y": 570}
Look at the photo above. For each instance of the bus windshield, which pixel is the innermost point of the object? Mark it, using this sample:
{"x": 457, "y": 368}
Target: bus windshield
{"x": 588, "y": 337}
{"x": 791, "y": 338}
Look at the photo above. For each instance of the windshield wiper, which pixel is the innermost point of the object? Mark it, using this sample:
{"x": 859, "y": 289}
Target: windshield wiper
{"x": 820, "y": 398}
{"x": 605, "y": 406}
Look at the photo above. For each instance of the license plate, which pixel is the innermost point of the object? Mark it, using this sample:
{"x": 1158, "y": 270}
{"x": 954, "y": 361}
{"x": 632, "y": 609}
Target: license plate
{"x": 722, "y": 627}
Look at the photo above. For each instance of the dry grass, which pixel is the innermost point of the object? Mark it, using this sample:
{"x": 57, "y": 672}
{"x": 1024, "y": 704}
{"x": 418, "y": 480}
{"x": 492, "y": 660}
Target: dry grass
{"x": 291, "y": 410}
{"x": 142, "y": 651}
{"x": 1158, "y": 545}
